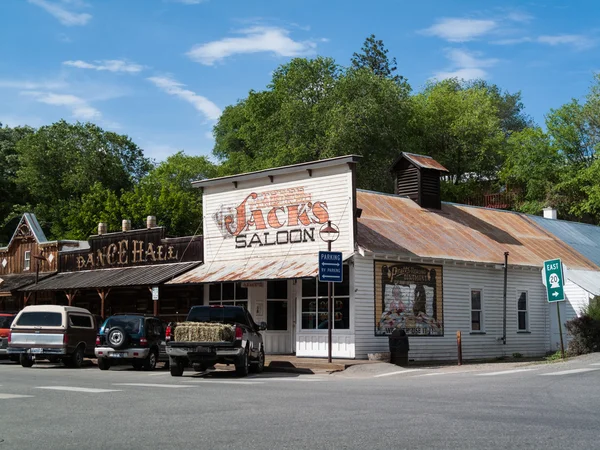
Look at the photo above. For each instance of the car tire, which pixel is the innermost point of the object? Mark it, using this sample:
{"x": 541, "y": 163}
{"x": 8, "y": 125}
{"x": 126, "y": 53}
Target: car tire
{"x": 26, "y": 361}
{"x": 150, "y": 361}
{"x": 103, "y": 363}
{"x": 259, "y": 365}
{"x": 117, "y": 337}
{"x": 137, "y": 364}
{"x": 176, "y": 368}
{"x": 241, "y": 367}
{"x": 76, "y": 360}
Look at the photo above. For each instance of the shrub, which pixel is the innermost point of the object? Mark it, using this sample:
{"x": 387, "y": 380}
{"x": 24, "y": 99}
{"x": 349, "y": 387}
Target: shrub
{"x": 517, "y": 355}
{"x": 554, "y": 356}
{"x": 585, "y": 335}
{"x": 593, "y": 309}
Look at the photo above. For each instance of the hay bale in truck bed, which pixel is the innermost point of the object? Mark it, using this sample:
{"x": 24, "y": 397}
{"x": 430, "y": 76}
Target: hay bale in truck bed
{"x": 203, "y": 332}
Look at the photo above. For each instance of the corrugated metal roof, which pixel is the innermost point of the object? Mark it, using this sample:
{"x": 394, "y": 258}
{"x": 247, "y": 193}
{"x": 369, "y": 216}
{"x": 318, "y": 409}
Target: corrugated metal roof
{"x": 106, "y": 278}
{"x": 395, "y": 225}
{"x": 252, "y": 269}
{"x": 13, "y": 282}
{"x": 582, "y": 237}
{"x": 585, "y": 279}
{"x": 34, "y": 226}
{"x": 422, "y": 161}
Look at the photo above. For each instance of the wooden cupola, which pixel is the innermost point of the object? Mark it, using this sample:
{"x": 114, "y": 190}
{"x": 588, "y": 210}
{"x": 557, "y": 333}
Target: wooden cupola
{"x": 418, "y": 178}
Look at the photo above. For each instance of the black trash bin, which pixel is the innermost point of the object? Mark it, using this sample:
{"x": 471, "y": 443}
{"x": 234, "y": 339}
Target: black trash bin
{"x": 399, "y": 347}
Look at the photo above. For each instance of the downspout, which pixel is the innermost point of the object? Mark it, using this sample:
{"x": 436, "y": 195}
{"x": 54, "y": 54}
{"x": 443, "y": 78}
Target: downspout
{"x": 505, "y": 286}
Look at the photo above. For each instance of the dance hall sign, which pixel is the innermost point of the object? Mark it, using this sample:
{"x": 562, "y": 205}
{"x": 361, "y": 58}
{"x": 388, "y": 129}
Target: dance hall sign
{"x": 272, "y": 218}
{"x": 408, "y": 297}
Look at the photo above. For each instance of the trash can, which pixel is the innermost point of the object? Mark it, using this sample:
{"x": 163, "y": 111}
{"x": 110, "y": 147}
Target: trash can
{"x": 399, "y": 347}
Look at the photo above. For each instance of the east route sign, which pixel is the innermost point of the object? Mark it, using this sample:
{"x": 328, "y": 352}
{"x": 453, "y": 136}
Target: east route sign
{"x": 553, "y": 278}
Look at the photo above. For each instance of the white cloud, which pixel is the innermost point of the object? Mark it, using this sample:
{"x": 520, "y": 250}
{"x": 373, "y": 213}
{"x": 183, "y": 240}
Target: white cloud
{"x": 173, "y": 87}
{"x": 512, "y": 41}
{"x": 111, "y": 65}
{"x": 254, "y": 40}
{"x": 64, "y": 16}
{"x": 518, "y": 16}
{"x": 32, "y": 85}
{"x": 80, "y": 109}
{"x": 465, "y": 65}
{"x": 576, "y": 40}
{"x": 460, "y": 30}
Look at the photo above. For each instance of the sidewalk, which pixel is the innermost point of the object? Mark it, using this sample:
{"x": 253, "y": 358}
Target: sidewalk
{"x": 291, "y": 363}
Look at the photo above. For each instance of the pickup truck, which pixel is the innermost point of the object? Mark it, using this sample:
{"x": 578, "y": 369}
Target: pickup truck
{"x": 245, "y": 349}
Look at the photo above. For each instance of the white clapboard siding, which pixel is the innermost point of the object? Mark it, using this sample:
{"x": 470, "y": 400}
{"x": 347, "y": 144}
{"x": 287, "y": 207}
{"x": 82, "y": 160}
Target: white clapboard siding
{"x": 458, "y": 280}
{"x": 332, "y": 185}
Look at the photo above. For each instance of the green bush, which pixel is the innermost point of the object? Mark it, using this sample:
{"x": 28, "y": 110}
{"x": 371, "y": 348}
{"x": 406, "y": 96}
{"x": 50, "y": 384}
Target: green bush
{"x": 593, "y": 309}
{"x": 585, "y": 335}
{"x": 517, "y": 355}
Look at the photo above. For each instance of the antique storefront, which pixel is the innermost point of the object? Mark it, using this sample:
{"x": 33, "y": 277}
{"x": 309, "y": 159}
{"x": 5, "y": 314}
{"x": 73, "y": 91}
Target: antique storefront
{"x": 125, "y": 272}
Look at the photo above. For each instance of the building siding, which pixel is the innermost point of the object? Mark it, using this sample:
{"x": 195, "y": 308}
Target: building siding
{"x": 457, "y": 282}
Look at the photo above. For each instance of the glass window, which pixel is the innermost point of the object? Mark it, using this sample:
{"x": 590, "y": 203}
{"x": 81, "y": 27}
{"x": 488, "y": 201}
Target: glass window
{"x": 523, "y": 322}
{"x": 277, "y": 315}
{"x": 476, "y": 311}
{"x": 40, "y": 319}
{"x": 277, "y": 289}
{"x": 228, "y": 294}
{"x": 221, "y": 315}
{"x": 315, "y": 306}
{"x": 27, "y": 261}
{"x": 6, "y": 321}
{"x": 214, "y": 292}
{"x": 80, "y": 321}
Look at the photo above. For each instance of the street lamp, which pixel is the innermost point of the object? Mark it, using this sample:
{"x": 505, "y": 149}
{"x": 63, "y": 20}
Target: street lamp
{"x": 329, "y": 234}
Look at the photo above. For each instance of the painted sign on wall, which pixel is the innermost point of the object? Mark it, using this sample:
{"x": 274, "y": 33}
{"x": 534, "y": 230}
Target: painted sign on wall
{"x": 408, "y": 296}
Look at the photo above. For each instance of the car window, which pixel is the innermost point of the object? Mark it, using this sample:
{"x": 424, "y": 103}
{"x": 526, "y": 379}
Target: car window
{"x": 131, "y": 324}
{"x": 80, "y": 321}
{"x": 231, "y": 315}
{"x": 6, "y": 321}
{"x": 40, "y": 319}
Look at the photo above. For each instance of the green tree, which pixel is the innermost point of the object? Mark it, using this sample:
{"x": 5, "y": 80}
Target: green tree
{"x": 60, "y": 163}
{"x": 374, "y": 56}
{"x": 314, "y": 109}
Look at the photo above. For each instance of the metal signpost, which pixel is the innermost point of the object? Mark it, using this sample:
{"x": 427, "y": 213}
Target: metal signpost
{"x": 330, "y": 271}
{"x": 553, "y": 278}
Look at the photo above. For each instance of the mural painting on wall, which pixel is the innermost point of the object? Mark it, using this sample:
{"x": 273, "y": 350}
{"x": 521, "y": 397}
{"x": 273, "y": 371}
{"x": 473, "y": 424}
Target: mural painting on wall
{"x": 409, "y": 297}
{"x": 278, "y": 217}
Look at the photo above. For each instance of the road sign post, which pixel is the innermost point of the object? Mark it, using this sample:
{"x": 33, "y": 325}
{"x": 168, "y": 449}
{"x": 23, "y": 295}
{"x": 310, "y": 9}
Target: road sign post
{"x": 553, "y": 278}
{"x": 330, "y": 271}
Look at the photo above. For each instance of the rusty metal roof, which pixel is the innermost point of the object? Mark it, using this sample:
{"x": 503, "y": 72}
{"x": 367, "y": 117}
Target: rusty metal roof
{"x": 395, "y": 225}
{"x": 107, "y": 278}
{"x": 252, "y": 269}
{"x": 422, "y": 161}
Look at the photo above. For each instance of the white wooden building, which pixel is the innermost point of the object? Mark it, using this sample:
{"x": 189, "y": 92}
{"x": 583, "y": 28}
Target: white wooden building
{"x": 411, "y": 262}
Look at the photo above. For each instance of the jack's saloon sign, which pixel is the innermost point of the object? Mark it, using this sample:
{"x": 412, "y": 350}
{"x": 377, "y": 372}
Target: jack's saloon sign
{"x": 278, "y": 217}
{"x": 134, "y": 248}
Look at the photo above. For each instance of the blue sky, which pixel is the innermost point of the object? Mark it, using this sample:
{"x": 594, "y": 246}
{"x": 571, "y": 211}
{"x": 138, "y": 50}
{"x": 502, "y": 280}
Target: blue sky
{"x": 161, "y": 71}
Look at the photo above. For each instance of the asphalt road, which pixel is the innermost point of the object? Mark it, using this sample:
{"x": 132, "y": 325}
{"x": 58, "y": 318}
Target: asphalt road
{"x": 550, "y": 406}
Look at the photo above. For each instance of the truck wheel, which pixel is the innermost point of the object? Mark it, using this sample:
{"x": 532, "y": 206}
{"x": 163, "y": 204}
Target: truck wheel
{"x": 259, "y": 365}
{"x": 77, "y": 358}
{"x": 176, "y": 367}
{"x": 25, "y": 360}
{"x": 241, "y": 367}
{"x": 103, "y": 363}
{"x": 150, "y": 361}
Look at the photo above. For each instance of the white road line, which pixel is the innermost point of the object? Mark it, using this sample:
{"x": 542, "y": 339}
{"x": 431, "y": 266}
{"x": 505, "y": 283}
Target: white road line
{"x": 568, "y": 372}
{"x": 158, "y": 374}
{"x": 172, "y": 386}
{"x": 443, "y": 373}
{"x": 8, "y": 396}
{"x": 77, "y": 389}
{"x": 593, "y": 364}
{"x": 221, "y": 382}
{"x": 504, "y": 372}
{"x": 395, "y": 373}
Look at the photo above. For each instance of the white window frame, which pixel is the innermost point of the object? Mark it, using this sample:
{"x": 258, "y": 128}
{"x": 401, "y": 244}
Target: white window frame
{"x": 526, "y": 310}
{"x": 236, "y": 301}
{"x": 481, "y": 310}
{"x": 27, "y": 265}
{"x": 318, "y": 298}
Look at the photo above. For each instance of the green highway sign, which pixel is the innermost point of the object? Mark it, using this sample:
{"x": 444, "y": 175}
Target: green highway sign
{"x": 553, "y": 278}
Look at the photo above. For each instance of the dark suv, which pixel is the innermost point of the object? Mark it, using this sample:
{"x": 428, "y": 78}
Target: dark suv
{"x": 134, "y": 338}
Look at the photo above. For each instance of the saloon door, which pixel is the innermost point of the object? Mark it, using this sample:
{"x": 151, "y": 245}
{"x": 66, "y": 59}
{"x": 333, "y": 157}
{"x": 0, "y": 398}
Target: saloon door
{"x": 280, "y": 312}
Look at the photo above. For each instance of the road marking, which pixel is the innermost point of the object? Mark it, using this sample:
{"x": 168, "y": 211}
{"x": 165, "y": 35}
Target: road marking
{"x": 568, "y": 372}
{"x": 158, "y": 374}
{"x": 504, "y": 372}
{"x": 395, "y": 373}
{"x": 173, "y": 386}
{"x": 8, "y": 396}
{"x": 593, "y": 364}
{"x": 443, "y": 373}
{"x": 77, "y": 389}
{"x": 221, "y": 382}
